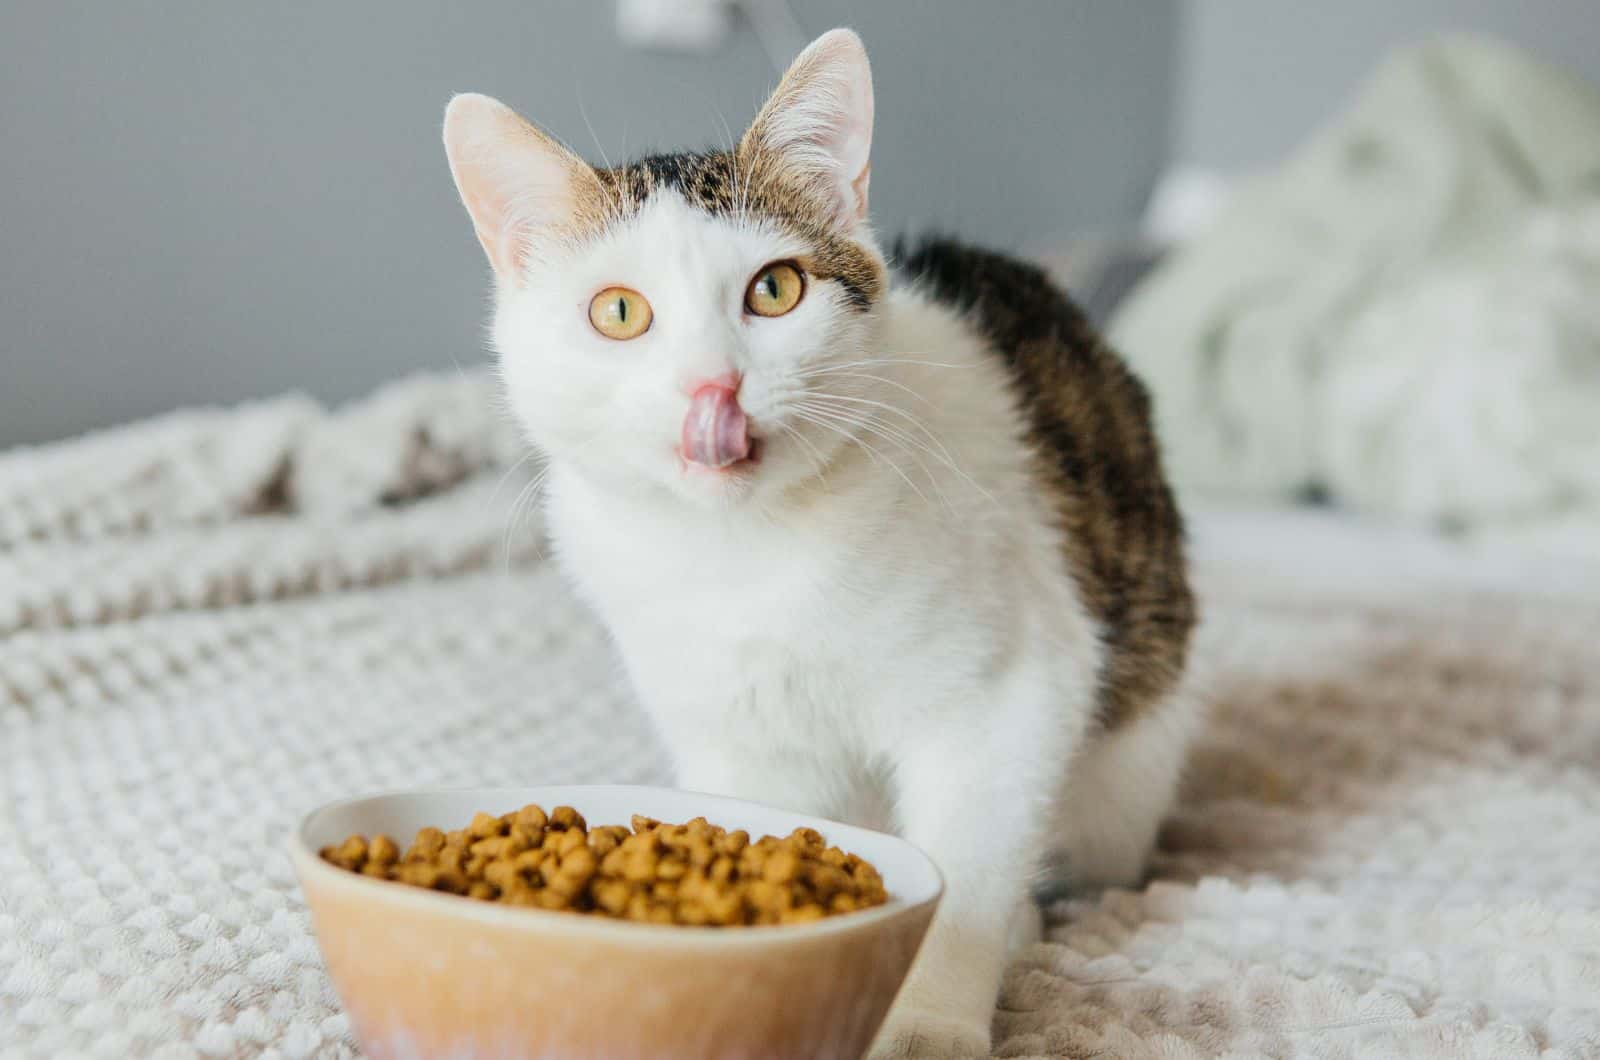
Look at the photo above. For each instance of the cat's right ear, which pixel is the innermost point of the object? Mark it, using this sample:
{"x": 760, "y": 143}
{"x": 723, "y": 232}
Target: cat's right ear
{"x": 819, "y": 121}
{"x": 516, "y": 182}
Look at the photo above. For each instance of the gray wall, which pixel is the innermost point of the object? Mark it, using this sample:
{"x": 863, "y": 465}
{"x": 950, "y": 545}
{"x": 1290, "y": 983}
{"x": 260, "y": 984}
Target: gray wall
{"x": 202, "y": 201}
{"x": 1257, "y": 75}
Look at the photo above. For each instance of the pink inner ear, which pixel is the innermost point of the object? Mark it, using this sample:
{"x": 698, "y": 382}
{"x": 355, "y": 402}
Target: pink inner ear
{"x": 848, "y": 144}
{"x": 513, "y": 180}
{"x": 859, "y": 187}
{"x": 501, "y": 247}
{"x": 824, "y": 107}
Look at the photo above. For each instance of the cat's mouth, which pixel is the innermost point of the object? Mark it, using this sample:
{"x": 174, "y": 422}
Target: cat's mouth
{"x": 716, "y": 433}
{"x": 741, "y": 466}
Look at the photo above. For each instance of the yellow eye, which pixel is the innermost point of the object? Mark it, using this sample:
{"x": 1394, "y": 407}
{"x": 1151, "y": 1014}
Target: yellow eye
{"x": 775, "y": 290}
{"x": 618, "y": 313}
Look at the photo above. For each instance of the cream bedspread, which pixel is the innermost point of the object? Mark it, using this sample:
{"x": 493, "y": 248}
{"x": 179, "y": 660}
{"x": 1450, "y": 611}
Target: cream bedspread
{"x": 1389, "y": 844}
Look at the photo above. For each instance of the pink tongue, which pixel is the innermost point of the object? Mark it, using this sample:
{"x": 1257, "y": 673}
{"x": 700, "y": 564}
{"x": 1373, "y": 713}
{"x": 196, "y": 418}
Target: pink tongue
{"x": 715, "y": 432}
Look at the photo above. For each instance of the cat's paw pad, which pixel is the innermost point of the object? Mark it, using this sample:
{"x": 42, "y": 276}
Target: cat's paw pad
{"x": 922, "y": 1035}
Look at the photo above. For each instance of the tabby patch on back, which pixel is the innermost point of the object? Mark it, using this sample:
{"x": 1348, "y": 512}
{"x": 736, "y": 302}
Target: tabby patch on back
{"x": 1089, "y": 418}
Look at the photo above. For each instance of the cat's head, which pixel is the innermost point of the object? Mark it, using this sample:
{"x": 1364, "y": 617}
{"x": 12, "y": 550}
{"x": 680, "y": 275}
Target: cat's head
{"x": 664, "y": 324}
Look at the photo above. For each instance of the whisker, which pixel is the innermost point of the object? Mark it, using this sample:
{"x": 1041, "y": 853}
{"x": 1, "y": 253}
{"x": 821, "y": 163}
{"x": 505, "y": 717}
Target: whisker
{"x": 889, "y": 431}
{"x": 616, "y": 194}
{"x": 727, "y": 136}
{"x": 943, "y": 454}
{"x": 878, "y": 379}
{"x": 814, "y": 455}
{"x": 827, "y": 425}
{"x": 870, "y": 361}
{"x": 529, "y": 455}
{"x": 899, "y": 436}
{"x": 868, "y": 427}
{"x": 520, "y": 508}
{"x": 898, "y": 432}
{"x": 598, "y": 146}
{"x": 733, "y": 160}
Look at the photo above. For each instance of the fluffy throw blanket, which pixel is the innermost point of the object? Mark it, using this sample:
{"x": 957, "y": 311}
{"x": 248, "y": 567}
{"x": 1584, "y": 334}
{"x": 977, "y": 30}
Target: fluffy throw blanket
{"x": 1404, "y": 315}
{"x": 211, "y": 623}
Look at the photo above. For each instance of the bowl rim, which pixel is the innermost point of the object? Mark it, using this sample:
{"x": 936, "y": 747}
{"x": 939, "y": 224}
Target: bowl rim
{"x": 310, "y": 867}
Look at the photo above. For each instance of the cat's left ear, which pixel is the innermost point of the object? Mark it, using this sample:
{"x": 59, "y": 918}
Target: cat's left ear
{"x": 819, "y": 122}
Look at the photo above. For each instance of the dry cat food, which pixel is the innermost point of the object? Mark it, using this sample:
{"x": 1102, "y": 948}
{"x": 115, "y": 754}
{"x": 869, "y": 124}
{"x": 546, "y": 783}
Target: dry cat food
{"x": 694, "y": 873}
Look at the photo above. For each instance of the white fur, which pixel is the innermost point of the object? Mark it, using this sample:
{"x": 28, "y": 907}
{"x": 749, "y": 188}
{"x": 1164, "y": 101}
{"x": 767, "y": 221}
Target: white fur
{"x": 1115, "y": 796}
{"x": 874, "y": 623}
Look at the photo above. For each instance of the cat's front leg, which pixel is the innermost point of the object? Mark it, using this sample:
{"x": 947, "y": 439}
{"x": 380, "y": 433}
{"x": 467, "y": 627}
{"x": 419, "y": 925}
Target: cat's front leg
{"x": 971, "y": 798}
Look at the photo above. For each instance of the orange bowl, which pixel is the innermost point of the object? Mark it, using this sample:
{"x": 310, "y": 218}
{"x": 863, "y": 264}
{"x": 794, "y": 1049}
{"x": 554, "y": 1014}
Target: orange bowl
{"x": 425, "y": 974}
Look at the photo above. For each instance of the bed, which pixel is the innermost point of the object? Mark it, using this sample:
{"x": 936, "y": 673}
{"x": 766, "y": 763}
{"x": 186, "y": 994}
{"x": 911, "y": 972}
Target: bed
{"x": 212, "y": 622}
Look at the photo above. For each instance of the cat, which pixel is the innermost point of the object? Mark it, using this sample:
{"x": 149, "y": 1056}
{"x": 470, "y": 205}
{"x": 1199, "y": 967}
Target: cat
{"x": 885, "y": 545}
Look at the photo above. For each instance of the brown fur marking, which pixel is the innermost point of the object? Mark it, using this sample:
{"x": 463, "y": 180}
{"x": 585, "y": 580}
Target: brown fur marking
{"x": 749, "y": 183}
{"x": 1089, "y": 418}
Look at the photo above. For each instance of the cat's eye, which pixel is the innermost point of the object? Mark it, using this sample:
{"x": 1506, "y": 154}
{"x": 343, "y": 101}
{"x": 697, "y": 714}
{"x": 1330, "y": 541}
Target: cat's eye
{"x": 775, "y": 290}
{"x": 620, "y": 313}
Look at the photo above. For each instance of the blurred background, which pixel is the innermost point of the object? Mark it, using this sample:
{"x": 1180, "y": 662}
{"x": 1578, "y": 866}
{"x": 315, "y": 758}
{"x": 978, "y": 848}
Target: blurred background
{"x": 203, "y": 203}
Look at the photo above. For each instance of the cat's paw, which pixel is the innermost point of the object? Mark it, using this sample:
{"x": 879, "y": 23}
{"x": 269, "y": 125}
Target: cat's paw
{"x": 919, "y": 1034}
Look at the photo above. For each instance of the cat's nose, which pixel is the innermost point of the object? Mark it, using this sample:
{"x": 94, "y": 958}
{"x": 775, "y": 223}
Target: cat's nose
{"x": 716, "y": 432}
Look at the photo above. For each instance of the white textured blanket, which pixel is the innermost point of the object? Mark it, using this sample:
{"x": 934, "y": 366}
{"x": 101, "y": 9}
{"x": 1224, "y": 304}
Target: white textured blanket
{"x": 1389, "y": 845}
{"x": 1404, "y": 313}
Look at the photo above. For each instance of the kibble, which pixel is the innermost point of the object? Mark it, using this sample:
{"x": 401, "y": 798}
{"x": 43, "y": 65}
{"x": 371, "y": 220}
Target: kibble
{"x": 694, "y": 873}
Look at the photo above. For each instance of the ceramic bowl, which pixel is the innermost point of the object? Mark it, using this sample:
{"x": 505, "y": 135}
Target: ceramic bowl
{"x": 426, "y": 974}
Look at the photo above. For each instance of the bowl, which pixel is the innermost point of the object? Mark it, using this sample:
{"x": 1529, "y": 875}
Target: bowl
{"x": 427, "y": 974}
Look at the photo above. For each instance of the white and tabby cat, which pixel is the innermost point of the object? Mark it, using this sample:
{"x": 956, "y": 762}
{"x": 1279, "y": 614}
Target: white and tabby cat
{"x": 893, "y": 548}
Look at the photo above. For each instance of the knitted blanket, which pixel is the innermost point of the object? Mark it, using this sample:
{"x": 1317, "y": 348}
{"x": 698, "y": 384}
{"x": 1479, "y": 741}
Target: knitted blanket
{"x": 1402, "y": 315}
{"x": 210, "y": 623}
